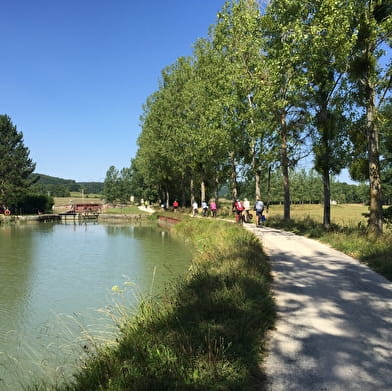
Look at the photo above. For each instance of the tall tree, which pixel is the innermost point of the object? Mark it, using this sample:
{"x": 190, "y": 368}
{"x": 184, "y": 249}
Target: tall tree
{"x": 286, "y": 82}
{"x": 386, "y": 150}
{"x": 372, "y": 23}
{"x": 112, "y": 185}
{"x": 237, "y": 35}
{"x": 326, "y": 41}
{"x": 16, "y": 166}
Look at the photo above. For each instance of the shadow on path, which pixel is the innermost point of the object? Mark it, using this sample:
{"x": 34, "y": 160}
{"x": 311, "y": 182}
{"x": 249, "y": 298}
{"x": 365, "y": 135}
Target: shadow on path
{"x": 334, "y": 327}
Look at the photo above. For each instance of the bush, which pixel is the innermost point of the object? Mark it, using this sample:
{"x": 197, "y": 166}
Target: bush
{"x": 387, "y": 215}
{"x": 34, "y": 203}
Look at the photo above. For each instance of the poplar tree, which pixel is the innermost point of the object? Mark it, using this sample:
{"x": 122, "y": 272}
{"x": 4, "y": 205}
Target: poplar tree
{"x": 372, "y": 23}
{"x": 16, "y": 166}
{"x": 325, "y": 40}
{"x": 286, "y": 86}
{"x": 238, "y": 37}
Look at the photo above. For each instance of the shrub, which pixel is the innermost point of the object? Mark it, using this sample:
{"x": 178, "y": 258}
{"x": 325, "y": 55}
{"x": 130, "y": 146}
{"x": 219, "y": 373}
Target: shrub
{"x": 34, "y": 203}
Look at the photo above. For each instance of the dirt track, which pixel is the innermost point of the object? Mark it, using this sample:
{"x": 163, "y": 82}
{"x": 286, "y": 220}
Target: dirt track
{"x": 334, "y": 327}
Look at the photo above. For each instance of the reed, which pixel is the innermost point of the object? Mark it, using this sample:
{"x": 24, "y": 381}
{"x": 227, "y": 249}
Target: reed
{"x": 206, "y": 332}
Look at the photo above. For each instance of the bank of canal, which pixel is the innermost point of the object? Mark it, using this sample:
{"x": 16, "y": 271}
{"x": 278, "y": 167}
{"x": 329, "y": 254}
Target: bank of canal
{"x": 53, "y": 278}
{"x": 207, "y": 332}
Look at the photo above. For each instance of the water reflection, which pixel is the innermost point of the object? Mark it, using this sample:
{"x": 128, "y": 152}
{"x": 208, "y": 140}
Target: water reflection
{"x": 70, "y": 269}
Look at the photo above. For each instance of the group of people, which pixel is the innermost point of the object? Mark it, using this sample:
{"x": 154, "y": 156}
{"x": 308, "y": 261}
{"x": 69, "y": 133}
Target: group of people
{"x": 242, "y": 211}
{"x": 204, "y": 206}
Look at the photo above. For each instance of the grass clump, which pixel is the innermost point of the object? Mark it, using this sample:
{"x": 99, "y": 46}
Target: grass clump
{"x": 205, "y": 333}
{"x": 351, "y": 240}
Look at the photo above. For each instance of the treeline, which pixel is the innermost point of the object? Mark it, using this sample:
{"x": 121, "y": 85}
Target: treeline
{"x": 58, "y": 187}
{"x": 267, "y": 87}
{"x": 306, "y": 186}
{"x": 22, "y": 190}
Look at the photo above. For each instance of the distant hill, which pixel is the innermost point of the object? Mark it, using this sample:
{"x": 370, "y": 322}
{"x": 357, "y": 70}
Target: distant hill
{"x": 60, "y": 187}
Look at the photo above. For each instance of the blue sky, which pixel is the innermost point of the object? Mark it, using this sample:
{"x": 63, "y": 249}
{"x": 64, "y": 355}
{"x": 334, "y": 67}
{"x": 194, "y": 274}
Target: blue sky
{"x": 74, "y": 74}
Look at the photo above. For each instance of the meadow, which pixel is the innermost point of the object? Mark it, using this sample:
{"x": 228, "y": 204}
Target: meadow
{"x": 344, "y": 215}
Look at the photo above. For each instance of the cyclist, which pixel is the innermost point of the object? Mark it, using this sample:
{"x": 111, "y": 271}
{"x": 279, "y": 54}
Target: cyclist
{"x": 259, "y": 208}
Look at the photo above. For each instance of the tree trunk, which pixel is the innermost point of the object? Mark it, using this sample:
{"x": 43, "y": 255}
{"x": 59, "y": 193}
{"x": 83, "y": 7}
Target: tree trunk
{"x": 375, "y": 208}
{"x": 183, "y": 197}
{"x": 192, "y": 190}
{"x": 285, "y": 168}
{"x": 327, "y": 198}
{"x": 203, "y": 191}
{"x": 216, "y": 190}
{"x": 255, "y": 166}
{"x": 167, "y": 199}
{"x": 234, "y": 191}
{"x": 324, "y": 128}
{"x": 256, "y": 170}
{"x": 257, "y": 185}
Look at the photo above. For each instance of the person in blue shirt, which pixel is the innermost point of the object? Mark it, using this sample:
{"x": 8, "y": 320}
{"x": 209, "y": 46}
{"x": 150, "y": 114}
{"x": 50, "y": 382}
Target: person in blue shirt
{"x": 259, "y": 208}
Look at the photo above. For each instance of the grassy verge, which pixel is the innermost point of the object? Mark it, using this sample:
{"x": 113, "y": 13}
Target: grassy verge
{"x": 353, "y": 240}
{"x": 205, "y": 333}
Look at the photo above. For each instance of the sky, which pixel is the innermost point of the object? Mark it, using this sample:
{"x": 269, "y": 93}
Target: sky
{"x": 75, "y": 74}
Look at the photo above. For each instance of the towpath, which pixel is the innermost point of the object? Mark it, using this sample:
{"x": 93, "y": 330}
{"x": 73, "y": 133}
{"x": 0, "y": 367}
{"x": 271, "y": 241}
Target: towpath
{"x": 334, "y": 326}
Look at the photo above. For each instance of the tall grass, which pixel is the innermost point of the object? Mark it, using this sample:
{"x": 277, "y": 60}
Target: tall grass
{"x": 206, "y": 332}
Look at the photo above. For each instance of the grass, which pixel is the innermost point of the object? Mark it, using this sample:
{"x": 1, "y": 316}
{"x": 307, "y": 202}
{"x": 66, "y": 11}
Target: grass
{"x": 206, "y": 332}
{"x": 347, "y": 234}
{"x": 343, "y": 214}
{"x": 129, "y": 209}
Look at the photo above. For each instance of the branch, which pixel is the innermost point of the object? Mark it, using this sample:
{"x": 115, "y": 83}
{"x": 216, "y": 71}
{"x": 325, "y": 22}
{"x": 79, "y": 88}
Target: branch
{"x": 385, "y": 92}
{"x": 334, "y": 86}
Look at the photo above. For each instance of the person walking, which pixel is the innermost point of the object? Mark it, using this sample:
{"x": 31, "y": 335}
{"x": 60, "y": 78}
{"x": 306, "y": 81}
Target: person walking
{"x": 213, "y": 208}
{"x": 247, "y": 215}
{"x": 259, "y": 208}
{"x": 195, "y": 208}
{"x": 204, "y": 207}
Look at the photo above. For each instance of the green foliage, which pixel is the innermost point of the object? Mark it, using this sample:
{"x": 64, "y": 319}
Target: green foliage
{"x": 59, "y": 187}
{"x": 117, "y": 185}
{"x": 386, "y": 150}
{"x": 34, "y": 203}
{"x": 266, "y": 88}
{"x": 387, "y": 215}
{"x": 15, "y": 163}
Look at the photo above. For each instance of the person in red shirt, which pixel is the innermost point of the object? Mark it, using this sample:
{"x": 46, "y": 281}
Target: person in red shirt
{"x": 238, "y": 211}
{"x": 175, "y": 205}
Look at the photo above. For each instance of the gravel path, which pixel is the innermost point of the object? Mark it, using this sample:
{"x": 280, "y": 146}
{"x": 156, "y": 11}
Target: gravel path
{"x": 334, "y": 326}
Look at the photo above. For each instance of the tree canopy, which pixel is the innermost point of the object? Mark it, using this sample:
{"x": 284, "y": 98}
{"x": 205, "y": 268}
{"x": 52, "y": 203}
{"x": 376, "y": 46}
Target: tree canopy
{"x": 16, "y": 166}
{"x": 268, "y": 86}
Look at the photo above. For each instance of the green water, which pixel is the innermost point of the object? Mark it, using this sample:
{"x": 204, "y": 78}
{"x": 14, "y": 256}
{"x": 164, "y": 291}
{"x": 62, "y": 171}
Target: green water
{"x": 53, "y": 278}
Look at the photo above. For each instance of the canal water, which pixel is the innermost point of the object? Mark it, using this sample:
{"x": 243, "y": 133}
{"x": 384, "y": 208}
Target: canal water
{"x": 60, "y": 284}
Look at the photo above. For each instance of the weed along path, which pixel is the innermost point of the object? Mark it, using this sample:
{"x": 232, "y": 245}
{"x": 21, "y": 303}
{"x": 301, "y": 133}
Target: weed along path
{"x": 334, "y": 326}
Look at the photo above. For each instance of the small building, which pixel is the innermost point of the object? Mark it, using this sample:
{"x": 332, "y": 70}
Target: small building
{"x": 87, "y": 208}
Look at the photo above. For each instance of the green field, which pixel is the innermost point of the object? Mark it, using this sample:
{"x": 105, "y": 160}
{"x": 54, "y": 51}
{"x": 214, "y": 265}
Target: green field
{"x": 346, "y": 215}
